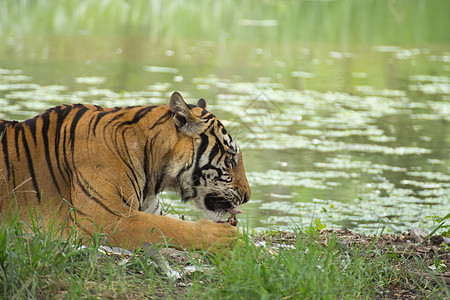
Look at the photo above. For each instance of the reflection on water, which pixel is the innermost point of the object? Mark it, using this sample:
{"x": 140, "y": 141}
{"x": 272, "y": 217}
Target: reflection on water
{"x": 341, "y": 107}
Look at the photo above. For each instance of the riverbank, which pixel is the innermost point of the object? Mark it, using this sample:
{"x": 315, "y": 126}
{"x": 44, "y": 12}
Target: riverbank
{"x": 325, "y": 264}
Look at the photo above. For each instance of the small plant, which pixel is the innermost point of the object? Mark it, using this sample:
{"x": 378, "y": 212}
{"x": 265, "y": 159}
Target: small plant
{"x": 316, "y": 227}
{"x": 440, "y": 223}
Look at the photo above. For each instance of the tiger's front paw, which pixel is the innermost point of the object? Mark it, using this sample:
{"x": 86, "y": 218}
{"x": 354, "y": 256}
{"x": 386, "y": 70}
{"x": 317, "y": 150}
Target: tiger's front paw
{"x": 216, "y": 237}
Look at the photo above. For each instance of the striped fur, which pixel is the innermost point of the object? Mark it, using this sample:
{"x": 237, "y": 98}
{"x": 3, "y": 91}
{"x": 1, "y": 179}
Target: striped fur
{"x": 109, "y": 164}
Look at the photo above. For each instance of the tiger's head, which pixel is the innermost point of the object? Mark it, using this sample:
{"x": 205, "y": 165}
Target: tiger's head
{"x": 211, "y": 170}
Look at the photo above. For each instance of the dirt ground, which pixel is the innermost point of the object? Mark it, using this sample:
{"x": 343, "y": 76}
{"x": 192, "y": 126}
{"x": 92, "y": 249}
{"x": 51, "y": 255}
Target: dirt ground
{"x": 409, "y": 252}
{"x": 420, "y": 254}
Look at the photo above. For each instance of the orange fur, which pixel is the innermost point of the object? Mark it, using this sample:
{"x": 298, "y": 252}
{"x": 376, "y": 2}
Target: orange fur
{"x": 103, "y": 180}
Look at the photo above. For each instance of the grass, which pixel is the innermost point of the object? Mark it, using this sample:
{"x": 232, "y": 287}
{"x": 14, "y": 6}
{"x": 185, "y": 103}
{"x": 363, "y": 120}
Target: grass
{"x": 306, "y": 273}
{"x": 41, "y": 265}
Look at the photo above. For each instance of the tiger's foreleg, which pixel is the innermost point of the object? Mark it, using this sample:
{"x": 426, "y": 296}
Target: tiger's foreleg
{"x": 131, "y": 230}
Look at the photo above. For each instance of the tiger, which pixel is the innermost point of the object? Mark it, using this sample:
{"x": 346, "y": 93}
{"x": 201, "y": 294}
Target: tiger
{"x": 92, "y": 167}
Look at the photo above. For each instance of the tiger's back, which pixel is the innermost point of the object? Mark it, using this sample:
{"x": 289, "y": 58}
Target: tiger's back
{"x": 109, "y": 164}
{"x": 42, "y": 156}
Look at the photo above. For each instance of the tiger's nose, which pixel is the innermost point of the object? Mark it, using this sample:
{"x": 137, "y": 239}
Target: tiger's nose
{"x": 246, "y": 198}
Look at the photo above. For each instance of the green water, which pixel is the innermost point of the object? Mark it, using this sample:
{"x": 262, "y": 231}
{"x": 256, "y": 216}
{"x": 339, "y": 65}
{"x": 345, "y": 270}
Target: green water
{"x": 341, "y": 107}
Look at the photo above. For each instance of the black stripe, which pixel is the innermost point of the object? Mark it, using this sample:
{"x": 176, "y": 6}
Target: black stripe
{"x": 45, "y": 126}
{"x": 194, "y": 190}
{"x": 158, "y": 183}
{"x": 73, "y": 124}
{"x": 160, "y": 180}
{"x": 204, "y": 112}
{"x": 93, "y": 117}
{"x": 71, "y": 170}
{"x": 146, "y": 173}
{"x": 100, "y": 115}
{"x": 66, "y": 166}
{"x": 134, "y": 183}
{"x": 162, "y": 119}
{"x": 97, "y": 200}
{"x": 31, "y": 124}
{"x": 4, "y": 139}
{"x": 184, "y": 170}
{"x": 126, "y": 158}
{"x": 17, "y": 130}
{"x": 213, "y": 153}
{"x": 119, "y": 192}
{"x": 124, "y": 155}
{"x": 138, "y": 115}
{"x": 202, "y": 148}
{"x": 220, "y": 146}
{"x": 30, "y": 166}
{"x": 61, "y": 114}
{"x": 219, "y": 173}
{"x": 90, "y": 127}
{"x": 118, "y": 116}
{"x": 13, "y": 175}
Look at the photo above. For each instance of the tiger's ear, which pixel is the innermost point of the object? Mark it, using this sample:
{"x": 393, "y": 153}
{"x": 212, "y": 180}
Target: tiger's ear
{"x": 201, "y": 103}
{"x": 184, "y": 119}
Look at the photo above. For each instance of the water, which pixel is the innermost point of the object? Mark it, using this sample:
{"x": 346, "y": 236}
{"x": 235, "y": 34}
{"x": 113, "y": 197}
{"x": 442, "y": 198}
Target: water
{"x": 341, "y": 107}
